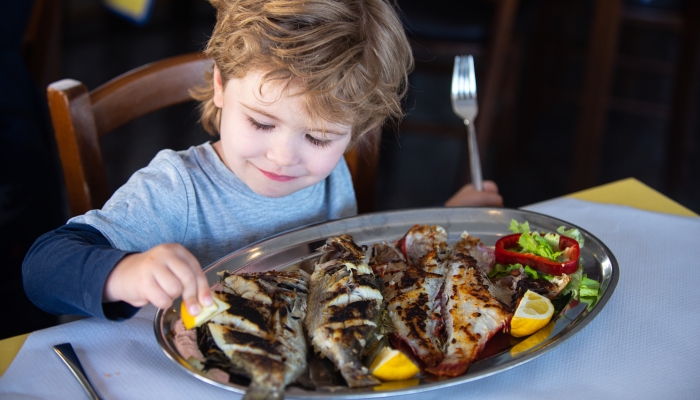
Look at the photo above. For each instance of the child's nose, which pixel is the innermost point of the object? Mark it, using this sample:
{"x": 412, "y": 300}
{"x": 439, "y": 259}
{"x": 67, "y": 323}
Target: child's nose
{"x": 283, "y": 152}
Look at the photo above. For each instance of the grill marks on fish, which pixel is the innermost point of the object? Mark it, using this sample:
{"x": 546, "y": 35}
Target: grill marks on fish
{"x": 262, "y": 332}
{"x": 485, "y": 257}
{"x": 345, "y": 308}
{"x": 472, "y": 312}
{"x": 440, "y": 301}
{"x": 412, "y": 287}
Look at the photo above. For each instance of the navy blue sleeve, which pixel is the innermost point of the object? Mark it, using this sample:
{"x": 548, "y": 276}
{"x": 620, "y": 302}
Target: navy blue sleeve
{"x": 65, "y": 270}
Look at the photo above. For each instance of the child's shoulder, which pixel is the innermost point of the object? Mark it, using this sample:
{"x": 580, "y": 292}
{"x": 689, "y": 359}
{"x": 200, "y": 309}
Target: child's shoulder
{"x": 189, "y": 158}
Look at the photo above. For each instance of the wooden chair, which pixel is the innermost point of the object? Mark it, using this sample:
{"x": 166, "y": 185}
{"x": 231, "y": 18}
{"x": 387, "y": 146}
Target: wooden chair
{"x": 81, "y": 117}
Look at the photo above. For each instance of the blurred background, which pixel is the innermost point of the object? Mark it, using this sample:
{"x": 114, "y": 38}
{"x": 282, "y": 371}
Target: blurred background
{"x": 572, "y": 94}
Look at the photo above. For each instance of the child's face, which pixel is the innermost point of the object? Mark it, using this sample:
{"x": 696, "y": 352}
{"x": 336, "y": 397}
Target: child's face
{"x": 269, "y": 142}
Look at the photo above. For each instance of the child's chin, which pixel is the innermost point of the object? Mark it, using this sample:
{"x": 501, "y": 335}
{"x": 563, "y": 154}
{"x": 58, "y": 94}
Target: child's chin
{"x": 274, "y": 193}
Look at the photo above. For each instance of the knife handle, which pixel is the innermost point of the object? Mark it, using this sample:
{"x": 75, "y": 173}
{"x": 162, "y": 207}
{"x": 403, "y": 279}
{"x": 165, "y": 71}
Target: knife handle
{"x": 67, "y": 354}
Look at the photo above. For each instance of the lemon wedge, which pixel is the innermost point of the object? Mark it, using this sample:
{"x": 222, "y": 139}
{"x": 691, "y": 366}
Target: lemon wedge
{"x": 533, "y": 340}
{"x": 533, "y": 313}
{"x": 393, "y": 365}
{"x": 397, "y": 385}
{"x": 205, "y": 315}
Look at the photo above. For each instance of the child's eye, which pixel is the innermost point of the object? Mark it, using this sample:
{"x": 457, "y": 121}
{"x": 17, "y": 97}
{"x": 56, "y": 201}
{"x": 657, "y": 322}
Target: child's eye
{"x": 318, "y": 142}
{"x": 259, "y": 126}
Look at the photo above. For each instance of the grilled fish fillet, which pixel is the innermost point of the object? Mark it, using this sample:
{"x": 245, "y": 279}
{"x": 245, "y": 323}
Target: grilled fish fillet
{"x": 262, "y": 333}
{"x": 413, "y": 303}
{"x": 472, "y": 312}
{"x": 345, "y": 307}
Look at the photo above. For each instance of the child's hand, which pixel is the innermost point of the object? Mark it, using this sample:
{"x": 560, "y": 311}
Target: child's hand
{"x": 159, "y": 276}
{"x": 467, "y": 196}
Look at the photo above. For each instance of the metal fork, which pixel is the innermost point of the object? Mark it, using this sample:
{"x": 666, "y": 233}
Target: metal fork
{"x": 465, "y": 106}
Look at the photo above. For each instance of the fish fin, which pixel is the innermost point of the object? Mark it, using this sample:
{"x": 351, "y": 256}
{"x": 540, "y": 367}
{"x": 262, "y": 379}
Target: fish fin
{"x": 358, "y": 377}
{"x": 501, "y": 293}
{"x": 387, "y": 325}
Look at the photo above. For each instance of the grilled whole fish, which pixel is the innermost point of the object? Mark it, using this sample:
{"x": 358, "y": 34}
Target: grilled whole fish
{"x": 413, "y": 303}
{"x": 472, "y": 312}
{"x": 345, "y": 309}
{"x": 262, "y": 333}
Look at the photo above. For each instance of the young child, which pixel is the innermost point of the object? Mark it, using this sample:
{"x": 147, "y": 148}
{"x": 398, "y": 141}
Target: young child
{"x": 295, "y": 83}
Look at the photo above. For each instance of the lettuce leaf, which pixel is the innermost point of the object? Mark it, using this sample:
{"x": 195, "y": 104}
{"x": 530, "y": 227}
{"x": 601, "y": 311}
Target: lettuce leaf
{"x": 589, "y": 291}
{"x": 536, "y": 244}
{"x": 574, "y": 283}
{"x": 501, "y": 270}
{"x": 515, "y": 227}
{"x": 572, "y": 233}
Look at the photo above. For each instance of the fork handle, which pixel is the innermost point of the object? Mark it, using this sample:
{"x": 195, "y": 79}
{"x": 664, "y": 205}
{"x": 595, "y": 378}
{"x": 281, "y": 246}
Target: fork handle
{"x": 474, "y": 160}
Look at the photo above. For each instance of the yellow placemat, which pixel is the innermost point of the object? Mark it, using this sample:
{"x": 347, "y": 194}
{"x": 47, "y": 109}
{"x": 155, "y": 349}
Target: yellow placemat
{"x": 8, "y": 350}
{"x": 632, "y": 192}
{"x": 137, "y": 11}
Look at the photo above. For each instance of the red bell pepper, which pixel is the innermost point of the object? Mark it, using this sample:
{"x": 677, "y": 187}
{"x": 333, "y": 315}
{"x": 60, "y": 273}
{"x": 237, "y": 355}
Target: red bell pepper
{"x": 542, "y": 264}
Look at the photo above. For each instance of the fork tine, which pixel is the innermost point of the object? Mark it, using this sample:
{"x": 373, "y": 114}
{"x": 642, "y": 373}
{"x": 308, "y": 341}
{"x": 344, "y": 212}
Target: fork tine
{"x": 472, "y": 77}
{"x": 463, "y": 78}
{"x": 455, "y": 79}
{"x": 464, "y": 75}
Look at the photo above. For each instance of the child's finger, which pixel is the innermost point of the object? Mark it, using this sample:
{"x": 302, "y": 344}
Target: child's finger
{"x": 203, "y": 290}
{"x": 157, "y": 296}
{"x": 195, "y": 287}
{"x": 490, "y": 186}
{"x": 168, "y": 282}
{"x": 492, "y": 200}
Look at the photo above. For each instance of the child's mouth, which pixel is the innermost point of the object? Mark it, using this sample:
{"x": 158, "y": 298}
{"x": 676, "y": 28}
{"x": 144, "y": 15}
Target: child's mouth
{"x": 278, "y": 178}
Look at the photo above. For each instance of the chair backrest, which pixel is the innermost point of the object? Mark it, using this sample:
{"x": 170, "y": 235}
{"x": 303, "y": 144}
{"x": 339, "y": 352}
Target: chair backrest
{"x": 81, "y": 117}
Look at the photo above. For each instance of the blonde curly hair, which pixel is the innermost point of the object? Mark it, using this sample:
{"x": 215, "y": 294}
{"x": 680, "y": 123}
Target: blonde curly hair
{"x": 351, "y": 58}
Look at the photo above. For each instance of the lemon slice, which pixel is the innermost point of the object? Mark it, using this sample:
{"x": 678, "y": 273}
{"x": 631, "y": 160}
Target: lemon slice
{"x": 533, "y": 313}
{"x": 393, "y": 365}
{"x": 205, "y": 315}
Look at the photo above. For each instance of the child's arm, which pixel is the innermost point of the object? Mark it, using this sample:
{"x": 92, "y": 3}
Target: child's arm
{"x": 467, "y": 196}
{"x": 64, "y": 272}
{"x": 158, "y": 276}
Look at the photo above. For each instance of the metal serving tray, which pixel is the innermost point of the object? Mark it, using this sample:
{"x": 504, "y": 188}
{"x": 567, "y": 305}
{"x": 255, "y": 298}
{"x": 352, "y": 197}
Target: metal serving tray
{"x": 297, "y": 248}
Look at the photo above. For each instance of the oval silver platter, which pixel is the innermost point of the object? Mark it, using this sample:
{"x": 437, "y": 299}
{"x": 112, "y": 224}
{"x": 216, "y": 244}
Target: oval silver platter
{"x": 297, "y": 248}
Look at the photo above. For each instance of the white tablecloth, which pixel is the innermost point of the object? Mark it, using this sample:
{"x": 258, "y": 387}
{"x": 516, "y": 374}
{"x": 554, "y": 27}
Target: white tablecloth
{"x": 645, "y": 343}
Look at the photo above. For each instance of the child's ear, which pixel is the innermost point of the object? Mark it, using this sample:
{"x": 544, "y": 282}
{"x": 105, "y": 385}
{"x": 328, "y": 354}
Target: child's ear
{"x": 218, "y": 88}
